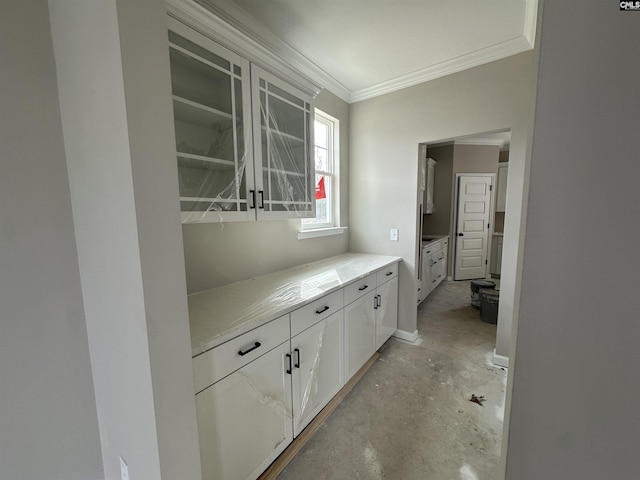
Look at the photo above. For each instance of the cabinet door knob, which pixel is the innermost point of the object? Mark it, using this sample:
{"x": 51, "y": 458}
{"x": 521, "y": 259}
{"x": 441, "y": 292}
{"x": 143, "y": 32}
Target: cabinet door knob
{"x": 389, "y": 273}
{"x": 461, "y": 234}
{"x": 253, "y": 199}
{"x": 323, "y": 309}
{"x": 364, "y": 287}
{"x": 261, "y": 192}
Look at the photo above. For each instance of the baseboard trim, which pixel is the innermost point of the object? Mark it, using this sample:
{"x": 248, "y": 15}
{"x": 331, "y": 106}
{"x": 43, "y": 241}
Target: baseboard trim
{"x": 500, "y": 360}
{"x": 409, "y": 337}
{"x": 280, "y": 463}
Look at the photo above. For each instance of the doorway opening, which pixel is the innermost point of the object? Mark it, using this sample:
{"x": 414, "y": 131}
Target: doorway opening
{"x": 459, "y": 163}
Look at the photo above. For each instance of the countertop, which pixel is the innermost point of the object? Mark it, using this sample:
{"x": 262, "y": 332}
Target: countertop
{"x": 223, "y": 313}
{"x": 427, "y": 239}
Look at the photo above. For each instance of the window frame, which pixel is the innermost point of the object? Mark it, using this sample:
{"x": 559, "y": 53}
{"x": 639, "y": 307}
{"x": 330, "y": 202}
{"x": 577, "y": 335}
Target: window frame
{"x": 309, "y": 229}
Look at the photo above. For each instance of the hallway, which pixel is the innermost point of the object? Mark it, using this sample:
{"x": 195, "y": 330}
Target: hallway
{"x": 410, "y": 417}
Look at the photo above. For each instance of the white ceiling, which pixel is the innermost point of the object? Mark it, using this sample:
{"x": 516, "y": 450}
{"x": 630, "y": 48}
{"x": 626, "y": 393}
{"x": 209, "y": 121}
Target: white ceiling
{"x": 363, "y": 48}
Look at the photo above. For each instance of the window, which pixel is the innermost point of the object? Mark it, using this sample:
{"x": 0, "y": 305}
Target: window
{"x": 327, "y": 170}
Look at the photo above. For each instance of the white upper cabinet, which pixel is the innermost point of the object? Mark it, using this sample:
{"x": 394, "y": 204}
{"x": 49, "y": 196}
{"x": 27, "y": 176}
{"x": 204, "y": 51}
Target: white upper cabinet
{"x": 430, "y": 183}
{"x": 501, "y": 194}
{"x": 243, "y": 136}
{"x": 285, "y": 172}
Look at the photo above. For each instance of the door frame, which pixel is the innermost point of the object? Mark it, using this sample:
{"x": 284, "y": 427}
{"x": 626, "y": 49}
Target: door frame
{"x": 454, "y": 225}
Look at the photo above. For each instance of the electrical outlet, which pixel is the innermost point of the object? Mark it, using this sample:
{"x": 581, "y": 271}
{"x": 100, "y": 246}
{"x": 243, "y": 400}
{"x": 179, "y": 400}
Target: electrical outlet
{"x": 124, "y": 469}
{"x": 393, "y": 234}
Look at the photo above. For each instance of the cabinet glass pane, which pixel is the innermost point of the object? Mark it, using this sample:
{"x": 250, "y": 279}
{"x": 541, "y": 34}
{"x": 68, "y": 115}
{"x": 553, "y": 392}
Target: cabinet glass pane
{"x": 210, "y": 140}
{"x": 285, "y": 118}
{"x": 194, "y": 80}
{"x": 285, "y": 156}
{"x": 201, "y": 52}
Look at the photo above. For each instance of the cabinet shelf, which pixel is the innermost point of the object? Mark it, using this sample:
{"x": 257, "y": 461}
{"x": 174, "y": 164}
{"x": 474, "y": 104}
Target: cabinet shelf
{"x": 212, "y": 200}
{"x": 202, "y": 162}
{"x": 283, "y": 135}
{"x": 284, "y": 172}
{"x": 188, "y": 111}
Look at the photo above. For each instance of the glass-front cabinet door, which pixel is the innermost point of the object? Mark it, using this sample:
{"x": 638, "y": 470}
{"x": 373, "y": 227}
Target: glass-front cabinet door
{"x": 282, "y": 120}
{"x": 212, "y": 111}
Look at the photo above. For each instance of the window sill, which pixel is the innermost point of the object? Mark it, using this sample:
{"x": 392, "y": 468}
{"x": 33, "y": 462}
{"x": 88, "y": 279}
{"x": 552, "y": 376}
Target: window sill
{"x": 320, "y": 232}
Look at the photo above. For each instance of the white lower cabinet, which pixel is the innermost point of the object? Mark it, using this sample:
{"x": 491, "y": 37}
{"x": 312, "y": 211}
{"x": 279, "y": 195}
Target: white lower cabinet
{"x": 434, "y": 265}
{"x": 244, "y": 420}
{"x": 360, "y": 332}
{"x": 386, "y": 311}
{"x": 426, "y": 275}
{"x": 257, "y": 391}
{"x": 318, "y": 368}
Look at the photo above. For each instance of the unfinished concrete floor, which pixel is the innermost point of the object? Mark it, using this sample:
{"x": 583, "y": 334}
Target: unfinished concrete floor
{"x": 410, "y": 417}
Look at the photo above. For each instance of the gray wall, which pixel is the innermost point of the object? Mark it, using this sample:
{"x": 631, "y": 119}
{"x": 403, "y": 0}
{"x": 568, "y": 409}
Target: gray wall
{"x": 217, "y": 254}
{"x": 385, "y": 134}
{"x": 48, "y": 418}
{"x": 475, "y": 158}
{"x": 574, "y": 410}
{"x": 114, "y": 89}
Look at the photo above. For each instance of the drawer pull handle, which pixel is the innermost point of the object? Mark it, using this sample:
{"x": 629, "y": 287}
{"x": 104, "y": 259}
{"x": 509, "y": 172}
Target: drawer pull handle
{"x": 255, "y": 345}
{"x": 288, "y": 355}
{"x": 389, "y": 273}
{"x": 322, "y": 310}
{"x": 364, "y": 287}
{"x": 297, "y": 364}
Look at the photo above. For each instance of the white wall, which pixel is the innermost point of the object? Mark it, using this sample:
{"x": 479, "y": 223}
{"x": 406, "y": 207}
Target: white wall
{"x": 114, "y": 88}
{"x": 48, "y": 419}
{"x": 574, "y": 410}
{"x": 385, "y": 133}
{"x": 217, "y": 254}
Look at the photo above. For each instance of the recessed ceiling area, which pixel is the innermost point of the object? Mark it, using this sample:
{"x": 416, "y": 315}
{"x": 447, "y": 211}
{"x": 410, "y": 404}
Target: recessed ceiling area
{"x": 362, "y": 48}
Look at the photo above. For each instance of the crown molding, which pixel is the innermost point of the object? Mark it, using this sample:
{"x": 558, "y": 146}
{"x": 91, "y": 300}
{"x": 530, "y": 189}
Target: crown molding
{"x": 530, "y": 21}
{"x": 230, "y": 26}
{"x": 463, "y": 62}
{"x": 213, "y": 26}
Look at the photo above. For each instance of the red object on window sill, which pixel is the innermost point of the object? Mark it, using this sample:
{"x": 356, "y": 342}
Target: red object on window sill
{"x": 320, "y": 191}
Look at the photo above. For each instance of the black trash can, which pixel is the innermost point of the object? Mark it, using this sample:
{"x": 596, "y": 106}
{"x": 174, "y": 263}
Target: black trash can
{"x": 489, "y": 305}
{"x": 476, "y": 285}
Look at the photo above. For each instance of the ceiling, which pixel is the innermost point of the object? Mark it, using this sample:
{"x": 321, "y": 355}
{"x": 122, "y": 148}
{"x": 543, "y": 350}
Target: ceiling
{"x": 363, "y": 48}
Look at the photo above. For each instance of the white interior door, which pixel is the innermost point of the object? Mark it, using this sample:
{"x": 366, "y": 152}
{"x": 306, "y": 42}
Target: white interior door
{"x": 472, "y": 227}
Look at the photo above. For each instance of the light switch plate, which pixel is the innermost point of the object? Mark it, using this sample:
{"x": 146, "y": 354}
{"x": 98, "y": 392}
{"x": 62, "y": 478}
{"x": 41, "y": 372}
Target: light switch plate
{"x": 393, "y": 234}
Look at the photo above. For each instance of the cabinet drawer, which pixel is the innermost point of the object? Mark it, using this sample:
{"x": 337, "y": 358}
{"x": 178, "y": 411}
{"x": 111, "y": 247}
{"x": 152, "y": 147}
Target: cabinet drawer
{"x": 387, "y": 273}
{"x": 359, "y": 288}
{"x": 219, "y": 362}
{"x": 310, "y": 314}
{"x": 432, "y": 247}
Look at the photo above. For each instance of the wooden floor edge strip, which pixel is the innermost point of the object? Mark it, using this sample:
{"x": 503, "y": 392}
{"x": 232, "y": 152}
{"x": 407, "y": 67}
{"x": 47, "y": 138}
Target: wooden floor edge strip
{"x": 280, "y": 463}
